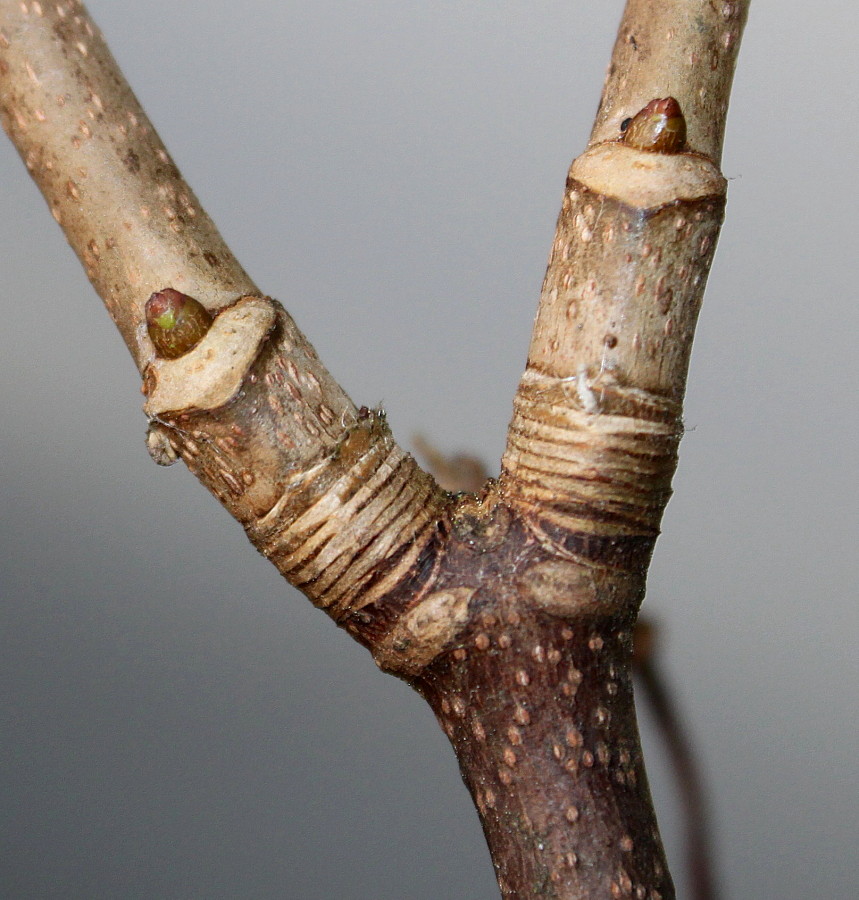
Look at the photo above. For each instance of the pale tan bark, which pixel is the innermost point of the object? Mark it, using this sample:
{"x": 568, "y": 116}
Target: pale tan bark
{"x": 121, "y": 201}
{"x": 685, "y": 50}
{"x": 592, "y": 445}
{"x": 296, "y": 439}
{"x": 510, "y": 610}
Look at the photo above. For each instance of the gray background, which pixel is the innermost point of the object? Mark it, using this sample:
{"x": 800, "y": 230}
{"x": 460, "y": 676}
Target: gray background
{"x": 176, "y": 722}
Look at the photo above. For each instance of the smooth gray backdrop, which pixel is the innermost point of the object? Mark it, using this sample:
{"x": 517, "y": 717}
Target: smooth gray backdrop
{"x": 175, "y": 721}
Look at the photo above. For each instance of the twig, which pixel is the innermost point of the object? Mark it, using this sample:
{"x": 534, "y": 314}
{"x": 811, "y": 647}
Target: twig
{"x": 665, "y": 709}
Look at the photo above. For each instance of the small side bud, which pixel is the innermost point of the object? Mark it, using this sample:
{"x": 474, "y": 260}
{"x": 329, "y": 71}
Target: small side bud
{"x": 159, "y": 447}
{"x": 176, "y": 322}
{"x": 659, "y": 128}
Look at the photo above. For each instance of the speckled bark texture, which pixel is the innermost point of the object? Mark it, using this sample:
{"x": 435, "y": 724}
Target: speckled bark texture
{"x": 551, "y": 751}
{"x": 110, "y": 183}
{"x": 510, "y": 610}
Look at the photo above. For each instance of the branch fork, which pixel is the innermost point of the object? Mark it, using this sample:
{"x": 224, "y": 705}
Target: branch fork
{"x": 510, "y": 610}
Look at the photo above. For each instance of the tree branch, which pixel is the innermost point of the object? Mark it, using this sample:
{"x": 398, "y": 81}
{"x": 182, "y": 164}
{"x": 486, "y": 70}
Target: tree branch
{"x": 510, "y": 610}
{"x": 597, "y": 414}
{"x": 122, "y": 203}
{"x": 321, "y": 488}
{"x": 685, "y": 50}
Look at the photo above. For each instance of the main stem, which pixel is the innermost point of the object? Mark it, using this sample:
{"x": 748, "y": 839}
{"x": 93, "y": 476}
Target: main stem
{"x": 536, "y": 698}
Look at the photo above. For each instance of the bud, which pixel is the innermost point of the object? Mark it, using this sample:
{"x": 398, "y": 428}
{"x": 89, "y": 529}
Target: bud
{"x": 659, "y": 128}
{"x": 176, "y": 322}
{"x": 159, "y": 446}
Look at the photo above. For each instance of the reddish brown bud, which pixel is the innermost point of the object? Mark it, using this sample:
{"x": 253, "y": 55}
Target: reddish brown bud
{"x": 176, "y": 322}
{"x": 659, "y": 128}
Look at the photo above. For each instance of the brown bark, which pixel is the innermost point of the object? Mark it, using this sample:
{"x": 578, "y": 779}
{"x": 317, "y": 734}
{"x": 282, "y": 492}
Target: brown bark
{"x": 510, "y": 610}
